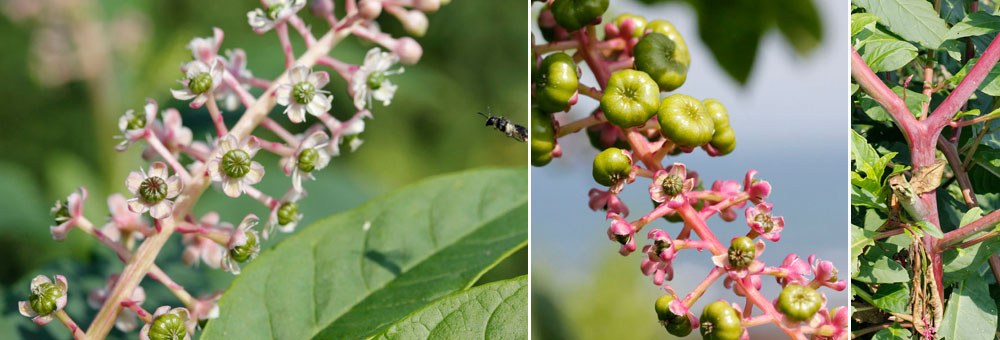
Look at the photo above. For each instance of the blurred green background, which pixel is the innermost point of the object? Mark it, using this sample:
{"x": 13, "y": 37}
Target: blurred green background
{"x": 71, "y": 68}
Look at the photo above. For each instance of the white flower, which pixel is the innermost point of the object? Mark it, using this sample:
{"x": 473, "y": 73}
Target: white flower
{"x": 45, "y": 300}
{"x": 243, "y": 245}
{"x": 153, "y": 190}
{"x": 199, "y": 81}
{"x": 285, "y": 214}
{"x": 370, "y": 79}
{"x": 311, "y": 155}
{"x": 126, "y": 321}
{"x": 172, "y": 133}
{"x": 134, "y": 126}
{"x": 275, "y": 11}
{"x": 349, "y": 132}
{"x": 233, "y": 165}
{"x": 303, "y": 93}
{"x": 67, "y": 212}
{"x": 122, "y": 220}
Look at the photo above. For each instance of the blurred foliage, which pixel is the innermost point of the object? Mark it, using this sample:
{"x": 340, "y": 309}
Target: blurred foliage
{"x": 62, "y": 106}
{"x": 732, "y": 29}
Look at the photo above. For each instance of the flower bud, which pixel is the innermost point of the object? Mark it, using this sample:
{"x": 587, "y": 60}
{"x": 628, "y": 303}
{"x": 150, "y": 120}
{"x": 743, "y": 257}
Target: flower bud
{"x": 322, "y": 7}
{"x": 369, "y": 9}
{"x": 415, "y": 22}
{"x": 427, "y": 5}
{"x": 408, "y": 50}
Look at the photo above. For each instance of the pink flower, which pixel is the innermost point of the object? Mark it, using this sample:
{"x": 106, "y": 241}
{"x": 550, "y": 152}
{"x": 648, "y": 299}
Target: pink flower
{"x": 126, "y": 321}
{"x": 727, "y": 189}
{"x": 671, "y": 184}
{"x": 678, "y": 308}
{"x": 243, "y": 245}
{"x": 622, "y": 232}
{"x": 67, "y": 212}
{"x": 758, "y": 190}
{"x": 172, "y": 132}
{"x": 608, "y": 201}
{"x": 659, "y": 257}
{"x": 274, "y": 12}
{"x": 826, "y": 274}
{"x": 203, "y": 248}
{"x": 122, "y": 220}
{"x": 153, "y": 190}
{"x": 760, "y": 220}
{"x": 207, "y": 306}
{"x": 729, "y": 282}
{"x": 349, "y": 131}
{"x": 205, "y": 49}
{"x": 792, "y": 269}
{"x": 49, "y": 298}
{"x": 236, "y": 64}
{"x": 135, "y": 126}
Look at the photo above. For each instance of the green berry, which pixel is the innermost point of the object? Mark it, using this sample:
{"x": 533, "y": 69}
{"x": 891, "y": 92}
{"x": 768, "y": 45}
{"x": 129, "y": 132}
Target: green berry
{"x": 654, "y": 54}
{"x": 303, "y": 92}
{"x": 375, "y": 80}
{"x": 43, "y": 298}
{"x": 236, "y": 163}
{"x": 168, "y": 326}
{"x": 543, "y": 137}
{"x": 685, "y": 121}
{"x": 611, "y": 166}
{"x": 719, "y": 321}
{"x": 799, "y": 303}
{"x": 153, "y": 189}
{"x": 594, "y": 135}
{"x": 555, "y": 82}
{"x": 308, "y": 159}
{"x": 639, "y": 21}
{"x": 575, "y": 14}
{"x": 742, "y": 252}
{"x": 287, "y": 212}
{"x": 244, "y": 252}
{"x": 200, "y": 83}
{"x": 630, "y": 98}
{"x": 724, "y": 138}
{"x": 680, "y": 52}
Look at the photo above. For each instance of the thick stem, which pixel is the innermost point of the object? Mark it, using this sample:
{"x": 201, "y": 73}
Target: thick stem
{"x": 578, "y": 125}
{"x": 697, "y": 223}
{"x": 947, "y": 109}
{"x": 591, "y": 53}
{"x": 146, "y": 254}
{"x": 950, "y": 153}
{"x": 693, "y": 296}
{"x": 874, "y": 86}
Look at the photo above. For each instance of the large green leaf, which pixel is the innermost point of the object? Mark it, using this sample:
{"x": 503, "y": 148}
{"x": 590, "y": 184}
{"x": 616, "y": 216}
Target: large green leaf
{"x": 352, "y": 275}
{"x": 977, "y": 23}
{"x": 962, "y": 263}
{"x": 893, "y": 297}
{"x": 860, "y": 21}
{"x": 892, "y": 333}
{"x": 883, "y": 52}
{"x": 860, "y": 238}
{"x": 914, "y": 20}
{"x": 877, "y": 266}
{"x": 970, "y": 313}
{"x": 990, "y": 85}
{"x": 497, "y": 310}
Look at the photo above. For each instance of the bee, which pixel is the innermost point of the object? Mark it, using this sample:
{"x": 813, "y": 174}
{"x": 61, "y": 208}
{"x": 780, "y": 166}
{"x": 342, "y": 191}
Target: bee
{"x": 512, "y": 130}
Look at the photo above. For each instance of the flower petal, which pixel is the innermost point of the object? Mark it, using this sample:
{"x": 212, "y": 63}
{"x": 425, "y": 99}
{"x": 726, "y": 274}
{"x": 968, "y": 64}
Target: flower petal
{"x": 184, "y": 94}
{"x": 25, "y": 308}
{"x": 319, "y": 105}
{"x": 137, "y": 206}
{"x": 157, "y": 169}
{"x": 161, "y": 210}
{"x": 226, "y": 143}
{"x": 231, "y": 186}
{"x": 298, "y": 74}
{"x": 283, "y": 94}
{"x": 319, "y": 79}
{"x": 133, "y": 181}
{"x": 174, "y": 186}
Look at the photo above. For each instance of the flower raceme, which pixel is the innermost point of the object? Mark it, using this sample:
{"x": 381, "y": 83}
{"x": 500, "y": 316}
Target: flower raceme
{"x": 181, "y": 168}
{"x": 635, "y": 129}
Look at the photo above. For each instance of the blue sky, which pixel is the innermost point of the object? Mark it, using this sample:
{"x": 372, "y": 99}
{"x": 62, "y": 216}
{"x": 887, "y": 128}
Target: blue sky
{"x": 791, "y": 122}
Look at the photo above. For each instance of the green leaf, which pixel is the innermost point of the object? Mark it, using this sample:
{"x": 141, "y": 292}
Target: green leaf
{"x": 914, "y": 20}
{"x": 497, "y": 310}
{"x": 892, "y": 333}
{"x": 354, "y": 274}
{"x": 877, "y": 266}
{"x": 990, "y": 84}
{"x": 893, "y": 297}
{"x": 733, "y": 32}
{"x": 965, "y": 262}
{"x": 930, "y": 229}
{"x": 860, "y": 21}
{"x": 800, "y": 24}
{"x": 883, "y": 52}
{"x": 977, "y": 23}
{"x": 970, "y": 313}
{"x": 974, "y": 112}
{"x": 860, "y": 239}
{"x": 914, "y": 102}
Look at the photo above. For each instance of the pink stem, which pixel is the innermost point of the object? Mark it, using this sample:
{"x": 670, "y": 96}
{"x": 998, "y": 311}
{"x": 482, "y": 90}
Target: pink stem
{"x": 587, "y": 39}
{"x": 884, "y": 96}
{"x": 78, "y": 333}
{"x": 764, "y": 304}
{"x": 279, "y": 130}
{"x": 696, "y": 293}
{"x": 139, "y": 311}
{"x": 286, "y": 44}
{"x": 698, "y": 224}
{"x": 346, "y": 71}
{"x": 213, "y": 110}
{"x": 958, "y": 97}
{"x": 304, "y": 31}
{"x": 245, "y": 97}
{"x": 154, "y": 142}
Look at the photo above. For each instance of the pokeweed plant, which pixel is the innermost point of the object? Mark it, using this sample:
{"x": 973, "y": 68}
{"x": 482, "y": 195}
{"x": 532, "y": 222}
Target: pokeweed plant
{"x": 161, "y": 197}
{"x": 924, "y": 155}
{"x": 635, "y": 61}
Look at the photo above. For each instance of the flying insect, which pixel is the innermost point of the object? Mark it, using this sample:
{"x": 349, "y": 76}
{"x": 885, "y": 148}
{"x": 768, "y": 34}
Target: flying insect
{"x": 500, "y": 123}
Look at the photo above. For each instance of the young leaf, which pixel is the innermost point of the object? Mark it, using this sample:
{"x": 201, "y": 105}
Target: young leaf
{"x": 914, "y": 20}
{"x": 930, "y": 229}
{"x": 965, "y": 262}
{"x": 877, "y": 266}
{"x": 351, "y": 275}
{"x": 883, "y": 52}
{"x": 970, "y": 313}
{"x": 990, "y": 84}
{"x": 893, "y": 297}
{"x": 860, "y": 21}
{"x": 892, "y": 333}
{"x": 497, "y": 310}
